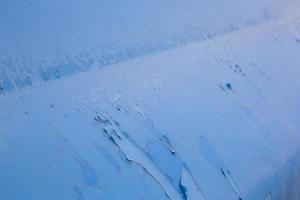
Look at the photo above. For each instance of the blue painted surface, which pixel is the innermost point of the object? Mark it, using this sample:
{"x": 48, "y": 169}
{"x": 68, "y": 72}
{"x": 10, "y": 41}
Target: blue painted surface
{"x": 197, "y": 100}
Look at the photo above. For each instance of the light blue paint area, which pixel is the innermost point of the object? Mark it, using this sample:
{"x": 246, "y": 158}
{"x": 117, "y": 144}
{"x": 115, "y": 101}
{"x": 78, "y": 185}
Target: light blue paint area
{"x": 279, "y": 185}
{"x": 93, "y": 34}
{"x": 188, "y": 185}
{"x": 107, "y": 156}
{"x": 208, "y": 152}
{"x": 78, "y": 193}
{"x": 196, "y": 105}
{"x": 167, "y": 162}
{"x": 89, "y": 174}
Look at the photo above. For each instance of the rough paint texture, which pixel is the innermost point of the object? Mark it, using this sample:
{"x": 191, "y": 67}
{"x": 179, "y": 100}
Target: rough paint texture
{"x": 115, "y": 102}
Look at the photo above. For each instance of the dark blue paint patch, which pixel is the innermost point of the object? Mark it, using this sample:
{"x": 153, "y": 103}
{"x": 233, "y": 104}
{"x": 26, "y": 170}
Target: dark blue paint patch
{"x": 228, "y": 86}
{"x": 183, "y": 191}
